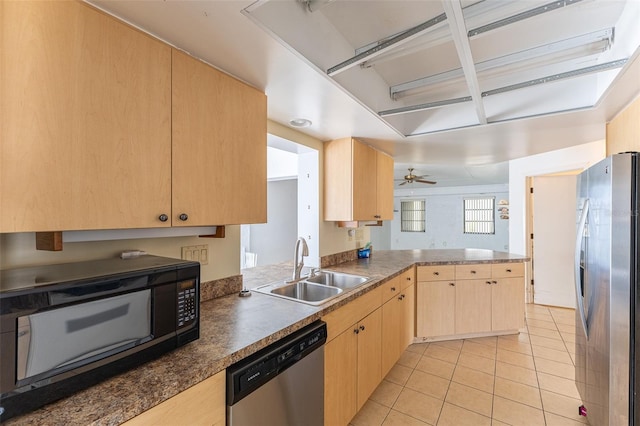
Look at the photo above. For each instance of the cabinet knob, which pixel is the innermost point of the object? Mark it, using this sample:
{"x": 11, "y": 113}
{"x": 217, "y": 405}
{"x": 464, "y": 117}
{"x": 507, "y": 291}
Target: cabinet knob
{"x": 362, "y": 327}
{"x": 183, "y": 217}
{"x": 494, "y": 282}
{"x": 452, "y": 284}
{"x": 377, "y": 216}
{"x": 355, "y": 330}
{"x": 508, "y": 270}
{"x": 436, "y": 273}
{"x": 408, "y": 278}
{"x": 473, "y": 272}
{"x": 393, "y": 289}
{"x": 163, "y": 217}
{"x": 488, "y": 282}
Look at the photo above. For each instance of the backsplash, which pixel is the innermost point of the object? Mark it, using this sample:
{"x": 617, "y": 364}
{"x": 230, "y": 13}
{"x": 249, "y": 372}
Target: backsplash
{"x": 337, "y": 258}
{"x": 221, "y": 287}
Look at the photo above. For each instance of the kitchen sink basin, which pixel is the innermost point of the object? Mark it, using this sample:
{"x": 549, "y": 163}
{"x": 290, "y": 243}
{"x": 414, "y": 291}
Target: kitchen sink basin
{"x": 301, "y": 291}
{"x": 337, "y": 279}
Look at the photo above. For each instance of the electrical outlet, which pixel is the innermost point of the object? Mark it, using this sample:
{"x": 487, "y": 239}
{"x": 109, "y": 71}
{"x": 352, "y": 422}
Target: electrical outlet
{"x": 359, "y": 235}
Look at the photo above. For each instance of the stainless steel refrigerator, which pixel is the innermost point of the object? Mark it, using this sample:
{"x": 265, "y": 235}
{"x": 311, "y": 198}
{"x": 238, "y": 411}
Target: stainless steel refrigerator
{"x": 608, "y": 305}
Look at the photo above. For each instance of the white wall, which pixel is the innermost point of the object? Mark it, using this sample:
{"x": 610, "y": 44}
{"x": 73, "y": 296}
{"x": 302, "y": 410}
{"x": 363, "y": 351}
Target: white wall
{"x": 273, "y": 241}
{"x": 444, "y": 224}
{"x": 573, "y": 158}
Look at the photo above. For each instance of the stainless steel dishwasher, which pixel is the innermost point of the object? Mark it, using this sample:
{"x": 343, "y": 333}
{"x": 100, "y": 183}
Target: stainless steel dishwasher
{"x": 283, "y": 384}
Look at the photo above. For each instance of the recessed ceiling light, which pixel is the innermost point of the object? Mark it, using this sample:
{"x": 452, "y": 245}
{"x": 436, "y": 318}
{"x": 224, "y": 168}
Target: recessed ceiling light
{"x": 300, "y": 122}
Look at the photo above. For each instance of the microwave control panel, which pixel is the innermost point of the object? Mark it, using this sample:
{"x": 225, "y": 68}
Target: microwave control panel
{"x": 187, "y": 302}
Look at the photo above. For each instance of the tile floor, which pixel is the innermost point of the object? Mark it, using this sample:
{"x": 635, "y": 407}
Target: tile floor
{"x": 519, "y": 380}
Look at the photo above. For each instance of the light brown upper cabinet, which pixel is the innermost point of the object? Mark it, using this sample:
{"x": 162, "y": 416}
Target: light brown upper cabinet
{"x": 358, "y": 182}
{"x": 623, "y": 132}
{"x": 219, "y": 157}
{"x": 100, "y": 130}
{"x": 86, "y": 120}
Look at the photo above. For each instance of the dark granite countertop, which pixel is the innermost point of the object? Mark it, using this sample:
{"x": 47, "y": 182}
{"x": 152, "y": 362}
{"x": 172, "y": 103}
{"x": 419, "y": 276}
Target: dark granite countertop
{"x": 232, "y": 328}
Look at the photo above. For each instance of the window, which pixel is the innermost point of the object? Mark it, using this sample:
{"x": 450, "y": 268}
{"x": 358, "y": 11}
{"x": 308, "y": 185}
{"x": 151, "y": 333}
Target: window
{"x": 412, "y": 216}
{"x": 479, "y": 216}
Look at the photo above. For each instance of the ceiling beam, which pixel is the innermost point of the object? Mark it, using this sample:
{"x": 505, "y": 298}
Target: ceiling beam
{"x": 455, "y": 18}
{"x": 386, "y": 45}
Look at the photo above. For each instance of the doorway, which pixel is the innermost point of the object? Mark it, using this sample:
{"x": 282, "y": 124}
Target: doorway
{"x": 292, "y": 207}
{"x": 552, "y": 212}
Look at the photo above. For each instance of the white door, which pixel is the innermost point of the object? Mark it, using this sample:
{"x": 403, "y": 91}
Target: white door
{"x": 554, "y": 230}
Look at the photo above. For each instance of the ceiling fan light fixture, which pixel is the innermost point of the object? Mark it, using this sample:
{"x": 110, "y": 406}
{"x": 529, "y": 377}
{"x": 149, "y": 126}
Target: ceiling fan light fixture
{"x": 300, "y": 122}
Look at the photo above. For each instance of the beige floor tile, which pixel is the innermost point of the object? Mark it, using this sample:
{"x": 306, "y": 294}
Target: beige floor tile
{"x": 428, "y": 384}
{"x": 399, "y": 374}
{"x": 418, "y": 405}
{"x": 544, "y": 332}
{"x": 566, "y": 387}
{"x": 479, "y": 349}
{"x": 473, "y": 378}
{"x": 546, "y": 342}
{"x": 560, "y": 369}
{"x": 386, "y": 393}
{"x": 470, "y": 399}
{"x": 562, "y": 405}
{"x": 477, "y": 362}
{"x": 418, "y": 348}
{"x": 568, "y": 318}
{"x": 524, "y": 394}
{"x": 545, "y": 316}
{"x": 567, "y": 328}
{"x": 573, "y": 357}
{"x": 515, "y": 358}
{"x": 514, "y": 413}
{"x": 568, "y": 337}
{"x": 409, "y": 359}
{"x": 396, "y": 418}
{"x": 451, "y": 344}
{"x": 516, "y": 374}
{"x": 550, "y": 325}
{"x": 515, "y": 346}
{"x": 488, "y": 340}
{"x": 371, "y": 414}
{"x": 436, "y": 367}
{"x": 442, "y": 353}
{"x": 552, "y": 354}
{"x": 530, "y": 307}
{"x": 495, "y": 422}
{"x": 556, "y": 420}
{"x": 452, "y": 415}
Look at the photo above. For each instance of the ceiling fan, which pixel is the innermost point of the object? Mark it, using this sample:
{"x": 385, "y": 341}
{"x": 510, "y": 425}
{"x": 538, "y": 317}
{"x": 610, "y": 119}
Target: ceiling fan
{"x": 410, "y": 178}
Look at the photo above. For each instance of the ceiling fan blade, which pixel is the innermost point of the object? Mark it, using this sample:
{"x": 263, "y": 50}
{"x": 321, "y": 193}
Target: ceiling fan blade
{"x": 402, "y": 183}
{"x": 426, "y": 181}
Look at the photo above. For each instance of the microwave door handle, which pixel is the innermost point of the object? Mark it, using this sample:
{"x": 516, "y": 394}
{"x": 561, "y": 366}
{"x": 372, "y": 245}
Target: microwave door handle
{"x": 578, "y": 280}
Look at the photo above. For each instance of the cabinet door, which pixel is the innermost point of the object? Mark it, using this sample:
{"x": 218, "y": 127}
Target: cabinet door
{"x": 408, "y": 316}
{"x": 507, "y": 301}
{"x": 219, "y": 136}
{"x": 340, "y": 378}
{"x": 435, "y": 308}
{"x": 369, "y": 355}
{"x": 384, "y": 185}
{"x": 392, "y": 336}
{"x": 364, "y": 182}
{"x": 473, "y": 306}
{"x": 86, "y": 136}
{"x": 202, "y": 404}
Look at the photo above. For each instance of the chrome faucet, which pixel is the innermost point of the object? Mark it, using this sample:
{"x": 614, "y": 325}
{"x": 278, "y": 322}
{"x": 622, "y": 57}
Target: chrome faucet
{"x": 297, "y": 266}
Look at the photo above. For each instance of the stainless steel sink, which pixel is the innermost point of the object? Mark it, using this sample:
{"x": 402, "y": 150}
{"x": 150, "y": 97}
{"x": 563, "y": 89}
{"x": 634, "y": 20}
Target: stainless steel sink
{"x": 301, "y": 291}
{"x": 337, "y": 279}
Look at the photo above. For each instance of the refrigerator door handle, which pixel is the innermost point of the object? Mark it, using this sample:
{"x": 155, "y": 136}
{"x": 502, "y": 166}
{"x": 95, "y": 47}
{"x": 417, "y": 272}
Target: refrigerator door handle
{"x": 580, "y": 233}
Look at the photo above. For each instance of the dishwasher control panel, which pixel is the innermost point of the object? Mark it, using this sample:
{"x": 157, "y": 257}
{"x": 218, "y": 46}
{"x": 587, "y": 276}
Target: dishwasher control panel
{"x": 250, "y": 373}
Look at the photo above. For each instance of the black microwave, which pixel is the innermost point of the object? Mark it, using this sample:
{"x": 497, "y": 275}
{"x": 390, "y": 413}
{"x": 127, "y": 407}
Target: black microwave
{"x": 68, "y": 326}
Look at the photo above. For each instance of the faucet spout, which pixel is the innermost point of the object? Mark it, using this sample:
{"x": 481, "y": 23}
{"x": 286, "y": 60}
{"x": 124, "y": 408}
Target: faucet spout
{"x": 297, "y": 265}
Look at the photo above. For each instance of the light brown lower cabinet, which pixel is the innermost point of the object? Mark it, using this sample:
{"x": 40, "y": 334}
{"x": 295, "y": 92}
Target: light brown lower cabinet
{"x": 202, "y": 404}
{"x": 398, "y": 318}
{"x": 467, "y": 300}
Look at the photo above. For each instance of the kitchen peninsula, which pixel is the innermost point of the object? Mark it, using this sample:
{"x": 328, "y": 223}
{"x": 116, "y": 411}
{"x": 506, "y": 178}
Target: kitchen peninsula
{"x": 233, "y": 328}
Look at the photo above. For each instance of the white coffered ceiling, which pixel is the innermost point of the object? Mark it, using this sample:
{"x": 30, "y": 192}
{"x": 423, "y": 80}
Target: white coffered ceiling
{"x": 454, "y": 88}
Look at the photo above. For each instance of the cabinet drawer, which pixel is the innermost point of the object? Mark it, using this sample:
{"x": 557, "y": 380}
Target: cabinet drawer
{"x": 436, "y": 273}
{"x": 390, "y": 289}
{"x": 407, "y": 278}
{"x": 471, "y": 272}
{"x": 506, "y": 270}
{"x": 349, "y": 314}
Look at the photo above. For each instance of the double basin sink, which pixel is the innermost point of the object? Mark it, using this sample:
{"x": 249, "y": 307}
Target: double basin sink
{"x": 315, "y": 289}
